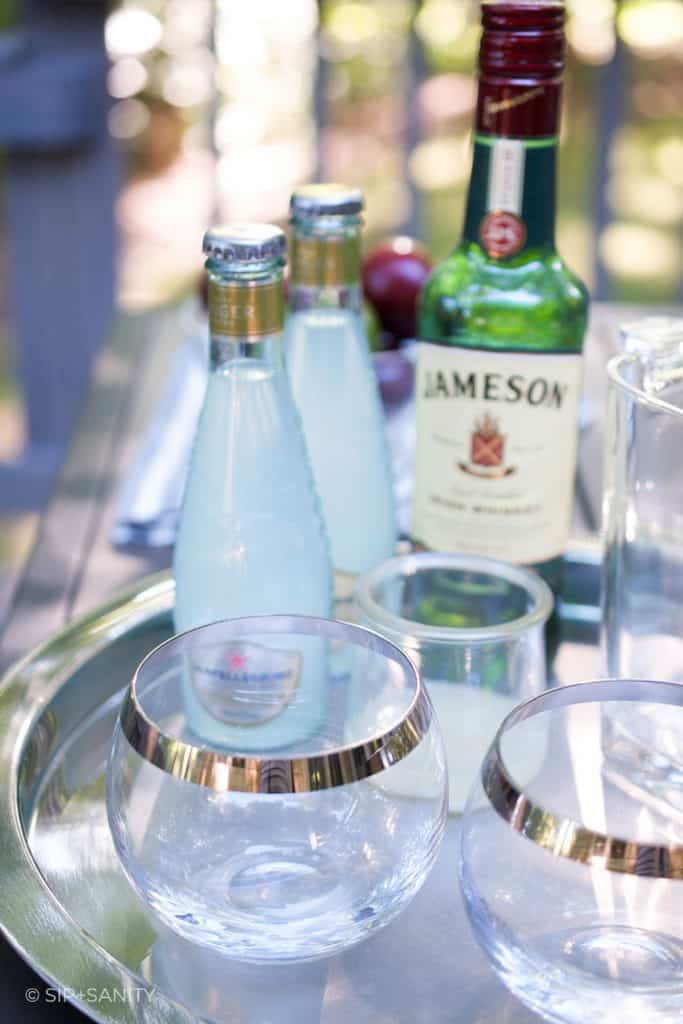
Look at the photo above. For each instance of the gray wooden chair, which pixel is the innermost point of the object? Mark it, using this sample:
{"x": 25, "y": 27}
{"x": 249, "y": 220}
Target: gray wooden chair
{"x": 61, "y": 183}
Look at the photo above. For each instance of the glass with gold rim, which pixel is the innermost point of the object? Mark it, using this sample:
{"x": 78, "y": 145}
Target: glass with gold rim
{"x": 573, "y": 879}
{"x": 296, "y": 843}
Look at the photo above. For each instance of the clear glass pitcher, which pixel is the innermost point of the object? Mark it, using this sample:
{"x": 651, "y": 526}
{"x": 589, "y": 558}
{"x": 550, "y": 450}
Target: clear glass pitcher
{"x": 643, "y": 567}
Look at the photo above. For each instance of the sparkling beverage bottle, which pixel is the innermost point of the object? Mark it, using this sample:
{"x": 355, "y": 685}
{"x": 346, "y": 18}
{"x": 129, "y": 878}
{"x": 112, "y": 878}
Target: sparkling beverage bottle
{"x": 502, "y": 322}
{"x": 251, "y": 538}
{"x": 333, "y": 382}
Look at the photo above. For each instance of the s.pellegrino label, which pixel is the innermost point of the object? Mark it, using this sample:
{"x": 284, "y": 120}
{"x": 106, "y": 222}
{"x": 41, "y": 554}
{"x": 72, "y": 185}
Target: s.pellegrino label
{"x": 497, "y": 436}
{"x": 243, "y": 683}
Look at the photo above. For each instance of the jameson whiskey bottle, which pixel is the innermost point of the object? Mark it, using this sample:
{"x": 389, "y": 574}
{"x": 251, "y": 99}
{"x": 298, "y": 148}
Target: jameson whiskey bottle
{"x": 502, "y": 322}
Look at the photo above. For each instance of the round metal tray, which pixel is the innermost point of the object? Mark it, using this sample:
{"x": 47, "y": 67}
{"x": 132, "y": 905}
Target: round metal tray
{"x": 67, "y": 908}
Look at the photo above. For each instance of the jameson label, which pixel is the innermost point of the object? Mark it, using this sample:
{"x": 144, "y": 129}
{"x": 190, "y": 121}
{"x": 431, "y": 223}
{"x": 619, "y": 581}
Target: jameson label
{"x": 245, "y": 309}
{"x": 325, "y": 260}
{"x": 497, "y": 437}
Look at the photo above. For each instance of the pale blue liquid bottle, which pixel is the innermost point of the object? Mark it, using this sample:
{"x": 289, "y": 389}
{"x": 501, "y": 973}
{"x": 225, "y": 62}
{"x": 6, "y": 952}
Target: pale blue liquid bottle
{"x": 332, "y": 378}
{"x": 251, "y": 538}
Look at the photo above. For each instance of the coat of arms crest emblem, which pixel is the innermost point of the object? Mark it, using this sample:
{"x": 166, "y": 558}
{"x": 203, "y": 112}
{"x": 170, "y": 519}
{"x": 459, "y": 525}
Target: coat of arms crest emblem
{"x": 487, "y": 450}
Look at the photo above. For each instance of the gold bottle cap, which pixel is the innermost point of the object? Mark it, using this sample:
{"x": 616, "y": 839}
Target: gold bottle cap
{"x": 324, "y": 260}
{"x": 245, "y": 309}
{"x": 325, "y": 257}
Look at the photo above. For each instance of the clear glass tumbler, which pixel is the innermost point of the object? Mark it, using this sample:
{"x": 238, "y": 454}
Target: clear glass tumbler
{"x": 474, "y": 628}
{"x": 643, "y": 558}
{"x": 289, "y": 852}
{"x": 573, "y": 884}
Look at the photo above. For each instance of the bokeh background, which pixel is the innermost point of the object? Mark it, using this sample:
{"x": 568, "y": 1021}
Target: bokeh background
{"x": 218, "y": 108}
{"x": 381, "y": 92}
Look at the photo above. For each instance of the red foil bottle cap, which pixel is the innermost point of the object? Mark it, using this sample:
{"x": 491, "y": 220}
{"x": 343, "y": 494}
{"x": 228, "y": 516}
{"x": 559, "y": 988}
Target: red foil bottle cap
{"x": 521, "y": 59}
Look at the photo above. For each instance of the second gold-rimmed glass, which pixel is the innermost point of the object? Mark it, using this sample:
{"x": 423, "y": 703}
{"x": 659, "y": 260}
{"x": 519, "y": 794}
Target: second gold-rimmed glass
{"x": 572, "y": 878}
{"x": 277, "y": 786}
{"x": 475, "y": 629}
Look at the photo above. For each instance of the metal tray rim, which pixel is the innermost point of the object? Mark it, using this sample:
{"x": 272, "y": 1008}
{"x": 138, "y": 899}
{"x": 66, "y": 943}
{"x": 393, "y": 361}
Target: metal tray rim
{"x": 32, "y": 919}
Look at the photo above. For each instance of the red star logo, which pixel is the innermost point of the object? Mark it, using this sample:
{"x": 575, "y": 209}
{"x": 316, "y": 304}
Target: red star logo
{"x": 236, "y": 661}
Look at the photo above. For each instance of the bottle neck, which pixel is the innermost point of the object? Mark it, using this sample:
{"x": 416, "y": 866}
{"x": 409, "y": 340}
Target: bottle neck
{"x": 325, "y": 265}
{"x": 511, "y": 201}
{"x": 302, "y": 297}
{"x": 226, "y": 351}
{"x": 246, "y": 315}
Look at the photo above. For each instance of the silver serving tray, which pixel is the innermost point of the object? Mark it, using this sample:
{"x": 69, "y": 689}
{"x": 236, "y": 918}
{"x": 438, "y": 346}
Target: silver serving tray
{"x": 67, "y": 908}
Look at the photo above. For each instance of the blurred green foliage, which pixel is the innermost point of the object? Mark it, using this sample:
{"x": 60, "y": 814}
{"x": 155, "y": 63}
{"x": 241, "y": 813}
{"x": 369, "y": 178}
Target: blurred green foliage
{"x": 639, "y": 242}
{"x": 10, "y": 13}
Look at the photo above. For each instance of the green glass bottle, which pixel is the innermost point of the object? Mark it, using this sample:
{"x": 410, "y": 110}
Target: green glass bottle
{"x": 502, "y": 322}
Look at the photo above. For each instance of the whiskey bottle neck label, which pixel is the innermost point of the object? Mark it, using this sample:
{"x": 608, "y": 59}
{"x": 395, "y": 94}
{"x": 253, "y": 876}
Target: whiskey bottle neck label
{"x": 511, "y": 201}
{"x": 521, "y": 60}
{"x": 520, "y": 109}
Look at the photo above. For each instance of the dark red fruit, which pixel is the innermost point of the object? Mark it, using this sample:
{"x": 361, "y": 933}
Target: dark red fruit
{"x": 395, "y": 376}
{"x": 393, "y": 274}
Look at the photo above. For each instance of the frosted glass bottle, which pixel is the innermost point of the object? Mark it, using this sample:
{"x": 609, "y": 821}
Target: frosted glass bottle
{"x": 251, "y": 538}
{"x": 332, "y": 378}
